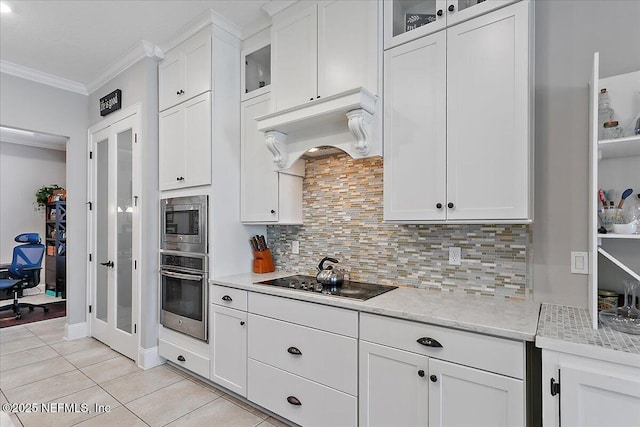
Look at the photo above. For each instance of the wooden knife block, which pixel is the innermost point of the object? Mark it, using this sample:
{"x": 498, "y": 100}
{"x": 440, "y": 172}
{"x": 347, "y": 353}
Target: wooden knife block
{"x": 263, "y": 262}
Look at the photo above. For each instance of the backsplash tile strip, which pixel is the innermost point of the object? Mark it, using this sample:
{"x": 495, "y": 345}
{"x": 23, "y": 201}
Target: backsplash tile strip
{"x": 342, "y": 214}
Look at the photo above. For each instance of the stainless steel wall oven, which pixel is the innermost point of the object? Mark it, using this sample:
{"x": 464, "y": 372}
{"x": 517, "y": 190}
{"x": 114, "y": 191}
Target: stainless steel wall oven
{"x": 184, "y": 284}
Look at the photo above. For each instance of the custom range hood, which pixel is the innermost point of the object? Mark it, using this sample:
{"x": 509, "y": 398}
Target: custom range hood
{"x": 346, "y": 121}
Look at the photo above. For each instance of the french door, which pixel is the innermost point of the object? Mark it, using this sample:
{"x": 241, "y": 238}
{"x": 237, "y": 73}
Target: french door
{"x": 114, "y": 232}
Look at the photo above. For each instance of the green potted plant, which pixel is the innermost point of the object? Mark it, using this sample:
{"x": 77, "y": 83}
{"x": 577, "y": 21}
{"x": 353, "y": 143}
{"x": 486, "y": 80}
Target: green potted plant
{"x": 44, "y": 193}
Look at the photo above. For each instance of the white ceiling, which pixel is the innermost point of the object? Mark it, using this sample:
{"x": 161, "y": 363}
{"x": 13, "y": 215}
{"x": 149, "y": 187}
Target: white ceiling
{"x": 78, "y": 40}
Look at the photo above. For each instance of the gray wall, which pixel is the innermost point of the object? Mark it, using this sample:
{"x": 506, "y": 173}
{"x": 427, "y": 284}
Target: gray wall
{"x": 28, "y": 105}
{"x": 139, "y": 83}
{"x": 24, "y": 169}
{"x": 567, "y": 35}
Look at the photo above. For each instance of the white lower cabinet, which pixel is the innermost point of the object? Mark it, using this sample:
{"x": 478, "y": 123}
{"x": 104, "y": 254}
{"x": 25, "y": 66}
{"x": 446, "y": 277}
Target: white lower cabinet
{"x": 229, "y": 348}
{"x": 580, "y": 391}
{"x": 403, "y": 381}
{"x": 463, "y": 396}
{"x": 189, "y": 353}
{"x": 303, "y": 361}
{"x": 394, "y": 388}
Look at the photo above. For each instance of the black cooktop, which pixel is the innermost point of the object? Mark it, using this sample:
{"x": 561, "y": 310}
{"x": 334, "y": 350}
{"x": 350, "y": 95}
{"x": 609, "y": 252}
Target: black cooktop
{"x": 354, "y": 290}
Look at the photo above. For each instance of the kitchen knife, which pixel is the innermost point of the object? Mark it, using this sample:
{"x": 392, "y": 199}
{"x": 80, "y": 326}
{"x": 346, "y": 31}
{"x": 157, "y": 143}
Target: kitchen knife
{"x": 263, "y": 242}
{"x": 253, "y": 245}
{"x": 254, "y": 239}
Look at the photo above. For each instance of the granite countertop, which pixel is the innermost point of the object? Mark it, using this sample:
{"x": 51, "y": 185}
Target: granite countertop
{"x": 505, "y": 318}
{"x": 568, "y": 330}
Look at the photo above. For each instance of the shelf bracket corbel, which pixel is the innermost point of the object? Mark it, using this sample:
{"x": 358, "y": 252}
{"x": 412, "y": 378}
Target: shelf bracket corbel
{"x": 276, "y": 144}
{"x": 359, "y": 121}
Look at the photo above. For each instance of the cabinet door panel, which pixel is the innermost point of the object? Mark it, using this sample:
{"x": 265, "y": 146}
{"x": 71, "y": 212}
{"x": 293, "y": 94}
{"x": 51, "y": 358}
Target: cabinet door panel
{"x": 347, "y": 46}
{"x": 229, "y": 344}
{"x": 171, "y": 147}
{"x": 259, "y": 181}
{"x": 599, "y": 397}
{"x": 392, "y": 393}
{"x": 415, "y": 130}
{"x": 169, "y": 80}
{"x": 463, "y": 396}
{"x": 487, "y": 116}
{"x": 466, "y": 9}
{"x": 294, "y": 53}
{"x": 197, "y": 66}
{"x": 197, "y": 123}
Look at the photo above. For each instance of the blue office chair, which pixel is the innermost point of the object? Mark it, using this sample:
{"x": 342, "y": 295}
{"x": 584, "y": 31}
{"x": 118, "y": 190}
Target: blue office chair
{"x": 24, "y": 271}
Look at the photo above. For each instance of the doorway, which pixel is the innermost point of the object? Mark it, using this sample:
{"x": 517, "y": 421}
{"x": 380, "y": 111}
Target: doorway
{"x": 114, "y": 231}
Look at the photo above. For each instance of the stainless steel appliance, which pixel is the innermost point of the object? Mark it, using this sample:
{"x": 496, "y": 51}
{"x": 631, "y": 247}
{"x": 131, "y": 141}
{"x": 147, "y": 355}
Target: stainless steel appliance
{"x": 349, "y": 289}
{"x": 183, "y": 281}
{"x": 184, "y": 224}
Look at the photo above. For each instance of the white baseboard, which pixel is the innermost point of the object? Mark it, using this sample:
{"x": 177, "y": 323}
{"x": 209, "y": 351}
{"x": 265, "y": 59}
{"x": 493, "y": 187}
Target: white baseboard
{"x": 76, "y": 331}
{"x": 149, "y": 357}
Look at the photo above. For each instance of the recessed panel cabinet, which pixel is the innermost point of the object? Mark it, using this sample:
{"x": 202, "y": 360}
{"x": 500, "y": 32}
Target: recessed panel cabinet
{"x": 185, "y": 71}
{"x": 472, "y": 164}
{"x": 323, "y": 48}
{"x": 185, "y": 144}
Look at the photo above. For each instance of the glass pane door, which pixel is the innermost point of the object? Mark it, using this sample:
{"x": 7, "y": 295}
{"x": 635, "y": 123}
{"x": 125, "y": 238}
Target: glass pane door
{"x": 124, "y": 236}
{"x": 102, "y": 229}
{"x": 465, "y": 4}
{"x": 411, "y": 14}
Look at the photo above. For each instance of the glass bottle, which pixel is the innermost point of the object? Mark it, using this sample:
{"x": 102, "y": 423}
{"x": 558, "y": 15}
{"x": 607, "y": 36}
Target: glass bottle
{"x": 605, "y": 112}
{"x": 612, "y": 130}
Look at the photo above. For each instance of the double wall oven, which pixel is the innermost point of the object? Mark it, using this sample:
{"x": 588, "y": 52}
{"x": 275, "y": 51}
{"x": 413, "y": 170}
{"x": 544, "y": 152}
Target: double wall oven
{"x": 184, "y": 265}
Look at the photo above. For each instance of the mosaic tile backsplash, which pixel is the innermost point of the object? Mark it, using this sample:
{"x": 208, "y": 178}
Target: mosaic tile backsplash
{"x": 343, "y": 218}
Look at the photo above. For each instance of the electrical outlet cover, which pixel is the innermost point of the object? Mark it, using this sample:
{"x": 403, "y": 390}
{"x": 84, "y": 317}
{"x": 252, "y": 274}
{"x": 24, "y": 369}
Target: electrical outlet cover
{"x": 455, "y": 255}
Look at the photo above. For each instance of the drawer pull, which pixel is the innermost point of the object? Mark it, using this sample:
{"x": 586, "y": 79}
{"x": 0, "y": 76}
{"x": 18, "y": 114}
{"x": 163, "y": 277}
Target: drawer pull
{"x": 181, "y": 358}
{"x": 294, "y": 401}
{"x": 429, "y": 342}
{"x": 433, "y": 378}
{"x": 227, "y": 298}
{"x": 421, "y": 373}
{"x": 294, "y": 350}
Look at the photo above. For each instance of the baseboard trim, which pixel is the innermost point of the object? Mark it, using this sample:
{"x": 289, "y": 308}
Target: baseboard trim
{"x": 75, "y": 331}
{"x": 149, "y": 357}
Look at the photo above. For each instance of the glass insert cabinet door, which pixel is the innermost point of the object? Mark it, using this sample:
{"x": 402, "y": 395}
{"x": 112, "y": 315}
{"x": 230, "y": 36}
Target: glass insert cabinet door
{"x": 405, "y": 20}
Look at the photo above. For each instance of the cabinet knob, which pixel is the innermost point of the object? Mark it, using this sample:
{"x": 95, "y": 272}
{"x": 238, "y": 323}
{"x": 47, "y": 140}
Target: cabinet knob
{"x": 180, "y": 92}
{"x": 242, "y": 323}
{"x": 294, "y": 401}
{"x": 421, "y": 373}
{"x": 439, "y": 205}
{"x": 311, "y": 99}
{"x": 433, "y": 379}
{"x": 273, "y": 211}
{"x": 451, "y": 8}
{"x": 318, "y": 97}
{"x": 450, "y": 205}
{"x": 439, "y": 13}
{"x": 181, "y": 358}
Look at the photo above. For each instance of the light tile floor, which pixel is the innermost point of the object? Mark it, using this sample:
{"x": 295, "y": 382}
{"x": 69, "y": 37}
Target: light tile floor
{"x": 38, "y": 366}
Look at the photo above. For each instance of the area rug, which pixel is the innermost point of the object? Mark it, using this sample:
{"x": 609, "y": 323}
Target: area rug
{"x": 56, "y": 309}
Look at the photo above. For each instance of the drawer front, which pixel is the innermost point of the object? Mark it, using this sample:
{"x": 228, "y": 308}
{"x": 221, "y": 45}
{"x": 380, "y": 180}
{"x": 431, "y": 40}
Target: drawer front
{"x": 274, "y": 389}
{"x": 193, "y": 362}
{"x": 326, "y": 318}
{"x": 324, "y": 357}
{"x": 228, "y": 297}
{"x": 493, "y": 354}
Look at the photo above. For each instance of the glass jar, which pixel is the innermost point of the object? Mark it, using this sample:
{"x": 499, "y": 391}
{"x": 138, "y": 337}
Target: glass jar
{"x": 607, "y": 299}
{"x": 612, "y": 130}
{"x": 605, "y": 112}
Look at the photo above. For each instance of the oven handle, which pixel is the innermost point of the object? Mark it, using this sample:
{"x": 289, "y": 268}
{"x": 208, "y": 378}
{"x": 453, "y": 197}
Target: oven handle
{"x": 197, "y": 277}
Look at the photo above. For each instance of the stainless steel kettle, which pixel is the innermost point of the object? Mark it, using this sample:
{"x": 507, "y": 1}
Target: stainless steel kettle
{"x": 329, "y": 276}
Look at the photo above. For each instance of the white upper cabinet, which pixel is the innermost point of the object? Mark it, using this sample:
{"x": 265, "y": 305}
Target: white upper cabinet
{"x": 185, "y": 71}
{"x": 488, "y": 112}
{"x": 415, "y": 102}
{"x": 406, "y": 20}
{"x": 255, "y": 66}
{"x": 458, "y": 111}
{"x": 322, "y": 49}
{"x": 185, "y": 144}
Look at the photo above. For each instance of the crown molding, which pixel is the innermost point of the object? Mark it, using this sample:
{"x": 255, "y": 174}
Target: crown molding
{"x": 274, "y": 6}
{"x": 142, "y": 49}
{"x": 41, "y": 77}
{"x": 199, "y": 23}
